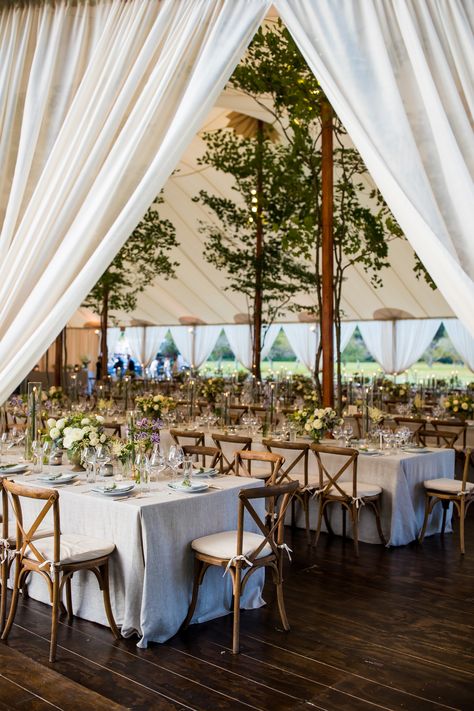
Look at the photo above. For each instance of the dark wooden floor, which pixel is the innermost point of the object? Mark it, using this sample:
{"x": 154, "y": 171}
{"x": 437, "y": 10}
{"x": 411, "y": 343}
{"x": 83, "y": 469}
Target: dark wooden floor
{"x": 393, "y": 630}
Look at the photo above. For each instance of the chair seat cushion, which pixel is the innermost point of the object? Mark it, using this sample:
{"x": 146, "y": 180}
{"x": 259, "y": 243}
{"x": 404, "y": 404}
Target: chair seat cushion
{"x": 447, "y": 486}
{"x": 224, "y": 545}
{"x": 363, "y": 489}
{"x": 74, "y": 548}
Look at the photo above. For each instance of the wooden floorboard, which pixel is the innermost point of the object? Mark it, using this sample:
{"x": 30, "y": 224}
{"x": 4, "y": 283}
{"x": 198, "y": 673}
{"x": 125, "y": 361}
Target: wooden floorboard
{"x": 391, "y": 630}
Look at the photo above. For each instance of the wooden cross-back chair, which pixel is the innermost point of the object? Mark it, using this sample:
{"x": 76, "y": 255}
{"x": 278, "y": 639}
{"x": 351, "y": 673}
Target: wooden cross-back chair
{"x": 197, "y": 438}
{"x": 443, "y": 438}
{"x": 351, "y": 495}
{"x": 201, "y": 453}
{"x": 271, "y": 474}
{"x": 240, "y": 550}
{"x": 56, "y": 558}
{"x": 239, "y": 442}
{"x": 415, "y": 424}
{"x": 455, "y": 426}
{"x": 303, "y": 494}
{"x": 447, "y": 491}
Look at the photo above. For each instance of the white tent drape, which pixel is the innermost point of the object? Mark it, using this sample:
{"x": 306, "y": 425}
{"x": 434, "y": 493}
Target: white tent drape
{"x": 240, "y": 341}
{"x": 304, "y": 340}
{"x": 195, "y": 343}
{"x": 461, "y": 339}
{"x": 399, "y": 75}
{"x": 396, "y": 345}
{"x": 99, "y": 99}
{"x": 113, "y": 337}
{"x": 145, "y": 341}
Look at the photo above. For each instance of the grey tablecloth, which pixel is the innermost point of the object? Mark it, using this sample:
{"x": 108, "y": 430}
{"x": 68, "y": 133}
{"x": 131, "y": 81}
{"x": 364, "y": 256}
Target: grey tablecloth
{"x": 151, "y": 569}
{"x": 401, "y": 477}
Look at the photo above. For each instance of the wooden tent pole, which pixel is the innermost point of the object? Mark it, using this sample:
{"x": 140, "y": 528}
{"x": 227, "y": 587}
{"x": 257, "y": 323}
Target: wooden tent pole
{"x": 327, "y": 207}
{"x": 58, "y": 360}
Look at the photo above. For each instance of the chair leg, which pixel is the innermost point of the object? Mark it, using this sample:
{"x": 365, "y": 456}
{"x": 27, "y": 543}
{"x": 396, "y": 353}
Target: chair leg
{"x": 355, "y": 529}
{"x": 3, "y": 594}
{"x": 305, "y": 501}
{"x": 280, "y": 599}
{"x": 320, "y": 520}
{"x": 54, "y": 618}
{"x": 70, "y": 614}
{"x": 376, "y": 507}
{"x": 104, "y": 572}
{"x": 327, "y": 521}
{"x": 199, "y": 571}
{"x": 236, "y": 625}
{"x": 425, "y": 520}
{"x": 462, "y": 516}
{"x": 445, "y": 504}
{"x": 14, "y": 602}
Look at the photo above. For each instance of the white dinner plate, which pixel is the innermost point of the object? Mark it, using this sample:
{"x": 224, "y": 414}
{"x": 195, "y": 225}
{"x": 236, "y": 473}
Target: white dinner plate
{"x": 118, "y": 490}
{"x": 194, "y": 488}
{"x": 57, "y": 478}
{"x": 203, "y": 473}
{"x": 369, "y": 452}
{"x": 415, "y": 450}
{"x": 13, "y": 468}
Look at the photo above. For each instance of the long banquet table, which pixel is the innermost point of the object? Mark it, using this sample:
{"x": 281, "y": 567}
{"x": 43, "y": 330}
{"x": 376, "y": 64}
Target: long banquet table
{"x": 151, "y": 570}
{"x": 401, "y": 477}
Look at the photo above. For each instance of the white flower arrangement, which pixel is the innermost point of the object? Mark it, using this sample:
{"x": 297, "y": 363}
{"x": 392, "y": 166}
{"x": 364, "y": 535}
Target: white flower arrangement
{"x": 76, "y": 431}
{"x": 320, "y": 421}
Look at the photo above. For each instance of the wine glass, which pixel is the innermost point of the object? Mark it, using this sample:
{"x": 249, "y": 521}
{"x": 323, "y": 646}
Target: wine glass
{"x": 157, "y": 463}
{"x": 102, "y": 458}
{"x": 348, "y": 432}
{"x": 175, "y": 459}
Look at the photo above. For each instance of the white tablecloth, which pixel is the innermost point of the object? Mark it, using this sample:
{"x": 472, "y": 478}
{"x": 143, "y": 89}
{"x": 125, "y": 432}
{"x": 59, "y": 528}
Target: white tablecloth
{"x": 151, "y": 570}
{"x": 401, "y": 477}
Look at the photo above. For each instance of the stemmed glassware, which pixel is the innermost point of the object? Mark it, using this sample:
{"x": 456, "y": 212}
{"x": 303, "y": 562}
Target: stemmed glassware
{"x": 348, "y": 432}
{"x": 102, "y": 458}
{"x": 89, "y": 458}
{"x": 175, "y": 458}
{"x": 157, "y": 462}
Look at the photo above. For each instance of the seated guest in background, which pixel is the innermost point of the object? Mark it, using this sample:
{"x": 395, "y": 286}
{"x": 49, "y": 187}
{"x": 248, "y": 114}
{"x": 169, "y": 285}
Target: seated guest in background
{"x": 118, "y": 367}
{"x": 131, "y": 367}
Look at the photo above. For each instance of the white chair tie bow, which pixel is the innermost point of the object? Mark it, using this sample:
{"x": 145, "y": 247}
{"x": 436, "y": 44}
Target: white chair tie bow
{"x": 234, "y": 560}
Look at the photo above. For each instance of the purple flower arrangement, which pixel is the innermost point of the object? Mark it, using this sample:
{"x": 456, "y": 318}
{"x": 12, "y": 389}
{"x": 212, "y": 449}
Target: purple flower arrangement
{"x": 147, "y": 431}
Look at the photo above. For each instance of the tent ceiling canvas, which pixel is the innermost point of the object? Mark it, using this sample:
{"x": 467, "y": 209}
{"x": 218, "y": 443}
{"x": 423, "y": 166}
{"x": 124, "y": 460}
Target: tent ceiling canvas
{"x": 199, "y": 292}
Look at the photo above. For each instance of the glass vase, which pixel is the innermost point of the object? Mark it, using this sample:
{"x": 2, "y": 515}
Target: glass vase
{"x": 33, "y": 418}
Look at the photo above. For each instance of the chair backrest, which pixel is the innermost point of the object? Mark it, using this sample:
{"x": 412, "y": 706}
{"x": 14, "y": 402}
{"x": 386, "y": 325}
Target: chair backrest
{"x": 413, "y": 423}
{"x": 25, "y": 535}
{"x": 327, "y": 480}
{"x": 443, "y": 438}
{"x": 299, "y": 449}
{"x": 197, "y": 438}
{"x": 236, "y": 442}
{"x": 243, "y": 464}
{"x": 458, "y": 426}
{"x": 273, "y": 532}
{"x": 201, "y": 452}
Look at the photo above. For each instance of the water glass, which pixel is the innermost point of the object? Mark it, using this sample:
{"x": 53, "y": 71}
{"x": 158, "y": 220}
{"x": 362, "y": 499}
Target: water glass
{"x": 37, "y": 454}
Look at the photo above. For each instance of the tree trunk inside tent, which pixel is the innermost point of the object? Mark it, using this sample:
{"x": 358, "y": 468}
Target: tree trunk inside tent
{"x": 259, "y": 256}
{"x": 104, "y": 317}
{"x": 327, "y": 314}
{"x": 58, "y": 359}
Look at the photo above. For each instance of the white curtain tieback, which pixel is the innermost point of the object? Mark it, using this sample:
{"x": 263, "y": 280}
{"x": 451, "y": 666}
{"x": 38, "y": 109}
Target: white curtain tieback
{"x": 358, "y": 501}
{"x": 286, "y": 548}
{"x": 233, "y": 561}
